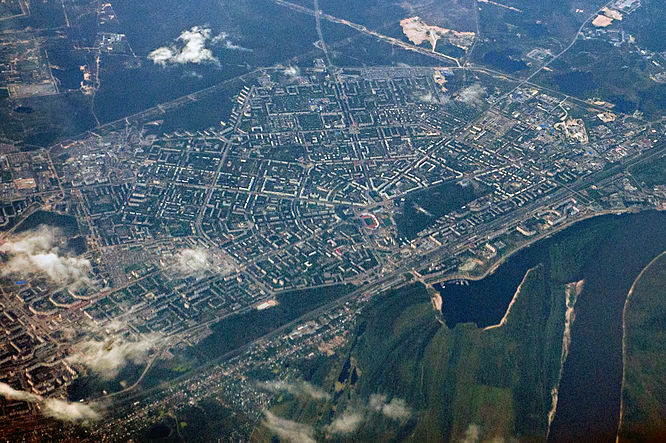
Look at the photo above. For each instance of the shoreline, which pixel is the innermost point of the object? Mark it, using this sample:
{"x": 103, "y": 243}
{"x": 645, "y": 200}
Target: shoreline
{"x": 513, "y": 300}
{"x": 575, "y": 289}
{"x": 624, "y": 339}
{"x": 491, "y": 270}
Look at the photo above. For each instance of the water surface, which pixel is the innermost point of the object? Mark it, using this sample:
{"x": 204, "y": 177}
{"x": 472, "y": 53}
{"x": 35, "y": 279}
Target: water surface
{"x": 589, "y": 393}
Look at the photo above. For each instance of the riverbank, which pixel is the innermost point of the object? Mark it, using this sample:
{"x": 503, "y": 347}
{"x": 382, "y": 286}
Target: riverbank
{"x": 572, "y": 293}
{"x": 642, "y": 413}
{"x": 513, "y": 300}
{"x": 456, "y": 275}
{"x": 590, "y": 389}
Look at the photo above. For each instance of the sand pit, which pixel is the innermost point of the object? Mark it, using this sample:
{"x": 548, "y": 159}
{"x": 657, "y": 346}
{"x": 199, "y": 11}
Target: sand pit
{"x": 418, "y": 32}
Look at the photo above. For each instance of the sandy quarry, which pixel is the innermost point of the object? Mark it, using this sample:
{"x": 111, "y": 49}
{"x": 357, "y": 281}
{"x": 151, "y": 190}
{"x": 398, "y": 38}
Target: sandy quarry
{"x": 606, "y": 17}
{"x": 601, "y": 21}
{"x": 418, "y": 32}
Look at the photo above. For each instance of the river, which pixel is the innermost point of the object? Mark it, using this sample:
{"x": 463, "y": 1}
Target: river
{"x": 589, "y": 395}
{"x": 589, "y": 392}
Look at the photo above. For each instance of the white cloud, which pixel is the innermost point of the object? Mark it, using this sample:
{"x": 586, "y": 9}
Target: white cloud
{"x": 235, "y": 47}
{"x": 346, "y": 423}
{"x": 292, "y": 71}
{"x": 52, "y": 407}
{"x": 14, "y": 394}
{"x": 190, "y": 48}
{"x": 377, "y": 400}
{"x": 161, "y": 56}
{"x": 199, "y": 259}
{"x": 193, "y": 46}
{"x": 108, "y": 356}
{"x": 222, "y": 39}
{"x": 192, "y": 74}
{"x": 429, "y": 97}
{"x": 396, "y": 409}
{"x": 195, "y": 260}
{"x": 114, "y": 325}
{"x": 300, "y": 389}
{"x": 472, "y": 434}
{"x": 472, "y": 95}
{"x": 36, "y": 252}
{"x": 287, "y": 429}
{"x": 219, "y": 39}
{"x": 350, "y": 420}
{"x": 66, "y": 411}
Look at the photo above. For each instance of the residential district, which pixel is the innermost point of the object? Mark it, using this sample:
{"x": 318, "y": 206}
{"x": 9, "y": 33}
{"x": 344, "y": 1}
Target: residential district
{"x": 359, "y": 179}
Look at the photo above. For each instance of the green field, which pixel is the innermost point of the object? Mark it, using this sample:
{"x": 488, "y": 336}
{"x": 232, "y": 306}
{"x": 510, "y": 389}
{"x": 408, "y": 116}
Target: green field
{"x": 496, "y": 382}
{"x": 236, "y": 331}
{"x": 203, "y": 422}
{"x": 644, "y": 386}
{"x": 423, "y": 208}
{"x": 467, "y": 381}
{"x": 233, "y": 333}
{"x": 651, "y": 174}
